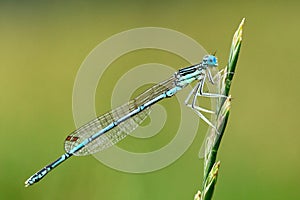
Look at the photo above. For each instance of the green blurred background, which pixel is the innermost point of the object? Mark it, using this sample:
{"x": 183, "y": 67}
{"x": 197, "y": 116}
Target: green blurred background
{"x": 43, "y": 44}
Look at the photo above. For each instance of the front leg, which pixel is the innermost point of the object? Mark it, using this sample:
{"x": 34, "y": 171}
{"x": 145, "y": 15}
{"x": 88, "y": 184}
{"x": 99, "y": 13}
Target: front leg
{"x": 204, "y": 94}
{"x": 193, "y": 104}
{"x": 198, "y": 109}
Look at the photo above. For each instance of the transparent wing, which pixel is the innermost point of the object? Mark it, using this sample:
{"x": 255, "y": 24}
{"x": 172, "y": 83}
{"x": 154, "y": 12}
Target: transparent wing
{"x": 211, "y": 132}
{"x": 116, "y": 134}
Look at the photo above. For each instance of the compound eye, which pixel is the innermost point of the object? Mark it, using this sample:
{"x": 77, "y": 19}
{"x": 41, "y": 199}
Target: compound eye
{"x": 210, "y": 60}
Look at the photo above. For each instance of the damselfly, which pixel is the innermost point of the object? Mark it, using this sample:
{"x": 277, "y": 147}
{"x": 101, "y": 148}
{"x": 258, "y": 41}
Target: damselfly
{"x": 108, "y": 129}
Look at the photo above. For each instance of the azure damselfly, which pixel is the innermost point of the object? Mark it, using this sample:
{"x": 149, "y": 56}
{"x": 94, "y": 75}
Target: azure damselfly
{"x": 108, "y": 129}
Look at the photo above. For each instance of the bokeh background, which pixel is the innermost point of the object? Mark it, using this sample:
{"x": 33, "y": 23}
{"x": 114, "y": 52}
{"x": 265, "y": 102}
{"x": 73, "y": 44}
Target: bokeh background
{"x": 42, "y": 45}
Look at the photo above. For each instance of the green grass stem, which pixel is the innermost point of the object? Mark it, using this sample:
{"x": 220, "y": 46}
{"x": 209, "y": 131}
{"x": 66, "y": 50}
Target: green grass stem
{"x": 211, "y": 166}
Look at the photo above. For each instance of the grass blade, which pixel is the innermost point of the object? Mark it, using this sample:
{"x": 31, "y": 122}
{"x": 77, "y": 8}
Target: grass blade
{"x": 211, "y": 167}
